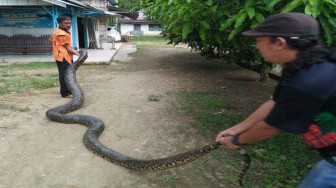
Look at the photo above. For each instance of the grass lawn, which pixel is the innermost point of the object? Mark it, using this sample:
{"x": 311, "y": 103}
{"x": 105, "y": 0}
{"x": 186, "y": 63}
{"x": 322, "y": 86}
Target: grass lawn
{"x": 278, "y": 162}
{"x": 148, "y": 38}
{"x": 18, "y": 77}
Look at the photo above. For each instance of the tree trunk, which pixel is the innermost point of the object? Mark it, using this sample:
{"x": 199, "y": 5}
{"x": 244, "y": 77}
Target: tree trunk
{"x": 263, "y": 72}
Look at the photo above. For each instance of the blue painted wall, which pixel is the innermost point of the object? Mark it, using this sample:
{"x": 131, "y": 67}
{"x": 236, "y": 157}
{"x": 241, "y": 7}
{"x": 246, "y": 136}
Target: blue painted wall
{"x": 28, "y": 16}
{"x": 25, "y": 17}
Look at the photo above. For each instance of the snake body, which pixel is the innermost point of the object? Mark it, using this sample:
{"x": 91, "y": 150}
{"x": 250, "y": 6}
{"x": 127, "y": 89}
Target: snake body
{"x": 96, "y": 127}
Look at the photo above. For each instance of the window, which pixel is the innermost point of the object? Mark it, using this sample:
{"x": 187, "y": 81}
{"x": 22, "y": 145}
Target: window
{"x": 155, "y": 27}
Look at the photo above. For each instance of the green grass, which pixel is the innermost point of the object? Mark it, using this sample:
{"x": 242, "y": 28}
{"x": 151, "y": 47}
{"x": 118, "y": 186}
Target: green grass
{"x": 15, "y": 86}
{"x": 14, "y": 77}
{"x": 285, "y": 160}
{"x": 29, "y": 66}
{"x": 206, "y": 108}
{"x": 13, "y": 107}
{"x": 149, "y": 38}
{"x": 282, "y": 161}
{"x": 154, "y": 98}
{"x": 203, "y": 99}
{"x": 156, "y": 45}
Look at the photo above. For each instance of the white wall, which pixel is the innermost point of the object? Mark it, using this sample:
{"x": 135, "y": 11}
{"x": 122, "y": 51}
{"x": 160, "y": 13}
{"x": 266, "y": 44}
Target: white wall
{"x": 35, "y": 31}
{"x": 96, "y": 30}
{"x": 102, "y": 26}
{"x": 125, "y": 29}
{"x": 145, "y": 29}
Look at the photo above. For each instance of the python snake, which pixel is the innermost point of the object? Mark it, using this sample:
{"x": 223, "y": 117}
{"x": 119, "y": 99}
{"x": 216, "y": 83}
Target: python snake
{"x": 96, "y": 127}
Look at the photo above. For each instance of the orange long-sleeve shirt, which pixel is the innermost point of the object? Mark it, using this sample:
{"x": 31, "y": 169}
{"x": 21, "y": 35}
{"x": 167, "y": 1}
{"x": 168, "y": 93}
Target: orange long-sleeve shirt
{"x": 59, "y": 39}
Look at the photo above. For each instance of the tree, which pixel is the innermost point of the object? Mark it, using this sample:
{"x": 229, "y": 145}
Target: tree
{"x": 128, "y": 4}
{"x": 213, "y": 27}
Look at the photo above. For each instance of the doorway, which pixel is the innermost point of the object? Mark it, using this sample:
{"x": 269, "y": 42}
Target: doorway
{"x": 81, "y": 32}
{"x": 137, "y": 29}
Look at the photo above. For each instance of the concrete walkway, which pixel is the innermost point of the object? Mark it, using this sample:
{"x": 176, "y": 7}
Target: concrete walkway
{"x": 96, "y": 56}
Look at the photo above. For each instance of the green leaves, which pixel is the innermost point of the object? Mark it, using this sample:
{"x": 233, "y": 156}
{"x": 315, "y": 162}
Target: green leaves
{"x": 251, "y": 12}
{"x": 271, "y": 4}
{"x": 327, "y": 30}
{"x": 202, "y": 33}
{"x": 330, "y": 2}
{"x": 187, "y": 28}
{"x": 259, "y": 17}
{"x": 224, "y": 24}
{"x": 332, "y": 22}
{"x": 317, "y": 8}
{"x": 241, "y": 18}
{"x": 212, "y": 26}
{"x": 236, "y": 31}
{"x": 308, "y": 9}
{"x": 205, "y": 24}
{"x": 248, "y": 3}
{"x": 292, "y": 5}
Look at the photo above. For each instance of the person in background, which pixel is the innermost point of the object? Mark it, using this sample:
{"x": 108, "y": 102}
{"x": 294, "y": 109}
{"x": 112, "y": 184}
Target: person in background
{"x": 304, "y": 101}
{"x": 63, "y": 51}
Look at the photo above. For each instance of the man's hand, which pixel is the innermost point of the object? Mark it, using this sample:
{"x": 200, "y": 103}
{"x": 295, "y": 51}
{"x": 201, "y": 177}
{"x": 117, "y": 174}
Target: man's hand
{"x": 225, "y": 137}
{"x": 226, "y": 140}
{"x": 71, "y": 50}
{"x": 76, "y": 53}
{"x": 225, "y": 133}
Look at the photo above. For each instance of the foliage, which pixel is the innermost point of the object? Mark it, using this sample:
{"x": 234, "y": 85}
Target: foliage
{"x": 128, "y": 4}
{"x": 278, "y": 162}
{"x": 213, "y": 27}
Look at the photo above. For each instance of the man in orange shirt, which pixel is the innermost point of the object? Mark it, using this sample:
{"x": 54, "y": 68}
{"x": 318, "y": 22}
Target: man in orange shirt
{"x": 62, "y": 51}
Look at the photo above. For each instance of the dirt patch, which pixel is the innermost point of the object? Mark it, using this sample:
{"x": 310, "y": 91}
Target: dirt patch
{"x": 36, "y": 152}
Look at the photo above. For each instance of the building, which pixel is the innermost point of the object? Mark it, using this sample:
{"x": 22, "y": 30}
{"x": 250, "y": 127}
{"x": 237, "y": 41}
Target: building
{"x": 22, "y": 20}
{"x": 139, "y": 26}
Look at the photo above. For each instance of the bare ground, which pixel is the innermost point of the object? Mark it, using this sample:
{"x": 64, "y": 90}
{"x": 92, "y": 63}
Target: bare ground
{"x": 36, "y": 152}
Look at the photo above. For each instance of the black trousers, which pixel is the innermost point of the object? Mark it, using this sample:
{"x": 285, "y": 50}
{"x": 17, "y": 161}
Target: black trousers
{"x": 62, "y": 67}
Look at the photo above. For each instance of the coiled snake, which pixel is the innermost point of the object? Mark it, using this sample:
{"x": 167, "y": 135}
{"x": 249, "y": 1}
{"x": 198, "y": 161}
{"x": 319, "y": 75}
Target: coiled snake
{"x": 96, "y": 127}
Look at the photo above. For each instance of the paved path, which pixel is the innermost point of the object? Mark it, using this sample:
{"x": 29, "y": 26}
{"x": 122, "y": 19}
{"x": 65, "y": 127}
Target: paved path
{"x": 96, "y": 56}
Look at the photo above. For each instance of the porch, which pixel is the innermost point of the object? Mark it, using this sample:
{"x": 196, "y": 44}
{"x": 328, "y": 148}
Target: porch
{"x": 96, "y": 56}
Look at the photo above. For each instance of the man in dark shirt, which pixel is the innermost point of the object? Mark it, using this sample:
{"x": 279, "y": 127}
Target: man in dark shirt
{"x": 304, "y": 102}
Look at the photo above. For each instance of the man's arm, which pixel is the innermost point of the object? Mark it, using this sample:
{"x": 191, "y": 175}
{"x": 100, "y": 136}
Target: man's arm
{"x": 71, "y": 50}
{"x": 259, "y": 131}
{"x": 259, "y": 115}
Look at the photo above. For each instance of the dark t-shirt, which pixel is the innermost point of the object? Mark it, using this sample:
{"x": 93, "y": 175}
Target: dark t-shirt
{"x": 300, "y": 99}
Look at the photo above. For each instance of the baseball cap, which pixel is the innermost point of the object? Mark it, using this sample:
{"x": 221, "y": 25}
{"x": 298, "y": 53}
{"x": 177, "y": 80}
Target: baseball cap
{"x": 289, "y": 24}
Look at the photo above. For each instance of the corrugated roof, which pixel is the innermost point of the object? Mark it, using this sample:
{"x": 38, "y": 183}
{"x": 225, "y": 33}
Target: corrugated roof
{"x": 140, "y": 18}
{"x": 61, "y": 4}
{"x": 75, "y": 3}
{"x": 131, "y": 21}
{"x": 124, "y": 12}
